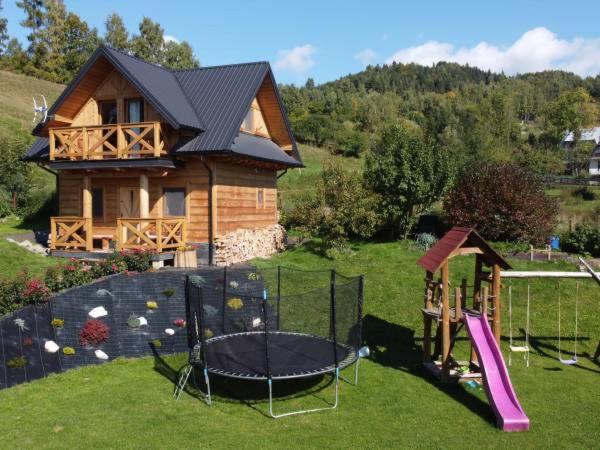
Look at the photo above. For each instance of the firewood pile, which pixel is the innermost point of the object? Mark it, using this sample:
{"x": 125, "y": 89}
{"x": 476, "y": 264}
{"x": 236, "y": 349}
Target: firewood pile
{"x": 242, "y": 245}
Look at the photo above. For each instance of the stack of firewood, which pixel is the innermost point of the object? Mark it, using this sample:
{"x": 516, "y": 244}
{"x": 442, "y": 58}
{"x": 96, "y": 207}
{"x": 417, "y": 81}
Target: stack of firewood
{"x": 242, "y": 245}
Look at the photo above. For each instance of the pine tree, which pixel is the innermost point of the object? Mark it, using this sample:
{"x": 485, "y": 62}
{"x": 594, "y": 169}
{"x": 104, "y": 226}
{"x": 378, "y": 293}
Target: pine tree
{"x": 149, "y": 44}
{"x": 179, "y": 56}
{"x": 3, "y": 32}
{"x": 116, "y": 35}
{"x": 35, "y": 13}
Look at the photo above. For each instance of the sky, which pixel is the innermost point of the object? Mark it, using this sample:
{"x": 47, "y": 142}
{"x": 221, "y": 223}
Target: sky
{"x": 327, "y": 39}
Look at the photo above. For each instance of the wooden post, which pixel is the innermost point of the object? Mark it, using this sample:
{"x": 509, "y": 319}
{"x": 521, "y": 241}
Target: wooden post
{"x": 159, "y": 234}
{"x": 484, "y": 301}
{"x": 458, "y": 305}
{"x": 86, "y": 143}
{"x": 87, "y": 211}
{"x": 427, "y": 319}
{"x": 477, "y": 282}
{"x": 144, "y": 196}
{"x": 121, "y": 143}
{"x": 156, "y": 139}
{"x": 445, "y": 320}
{"x": 496, "y": 285}
{"x": 53, "y": 233}
{"x": 52, "y": 145}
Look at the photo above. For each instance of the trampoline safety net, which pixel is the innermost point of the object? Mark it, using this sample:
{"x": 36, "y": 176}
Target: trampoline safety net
{"x": 274, "y": 323}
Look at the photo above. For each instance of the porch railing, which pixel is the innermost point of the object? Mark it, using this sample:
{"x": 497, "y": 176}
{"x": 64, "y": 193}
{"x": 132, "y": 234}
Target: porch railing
{"x": 71, "y": 233}
{"x": 158, "y": 234}
{"x": 119, "y": 141}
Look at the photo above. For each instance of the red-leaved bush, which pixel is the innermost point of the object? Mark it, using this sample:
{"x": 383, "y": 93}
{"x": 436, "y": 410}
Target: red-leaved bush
{"x": 503, "y": 202}
{"x": 94, "y": 332}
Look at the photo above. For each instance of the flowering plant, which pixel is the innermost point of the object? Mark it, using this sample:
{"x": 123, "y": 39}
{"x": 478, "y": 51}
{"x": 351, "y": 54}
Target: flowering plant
{"x": 94, "y": 332}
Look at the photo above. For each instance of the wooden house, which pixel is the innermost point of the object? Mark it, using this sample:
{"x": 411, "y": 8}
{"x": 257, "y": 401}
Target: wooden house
{"x": 151, "y": 158}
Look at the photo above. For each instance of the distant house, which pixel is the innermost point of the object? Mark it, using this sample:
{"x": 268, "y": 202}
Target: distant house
{"x": 594, "y": 167}
{"x": 591, "y": 135}
{"x": 151, "y": 158}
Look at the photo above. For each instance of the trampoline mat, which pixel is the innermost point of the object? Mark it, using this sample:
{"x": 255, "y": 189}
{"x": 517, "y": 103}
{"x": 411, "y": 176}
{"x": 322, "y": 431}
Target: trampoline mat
{"x": 291, "y": 355}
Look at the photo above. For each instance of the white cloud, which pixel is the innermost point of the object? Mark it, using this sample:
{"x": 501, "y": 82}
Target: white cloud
{"x": 298, "y": 59}
{"x": 366, "y": 56}
{"x": 169, "y": 38}
{"x": 537, "y": 49}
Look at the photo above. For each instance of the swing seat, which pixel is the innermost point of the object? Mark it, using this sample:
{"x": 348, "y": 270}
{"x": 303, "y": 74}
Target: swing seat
{"x": 568, "y": 362}
{"x": 519, "y": 348}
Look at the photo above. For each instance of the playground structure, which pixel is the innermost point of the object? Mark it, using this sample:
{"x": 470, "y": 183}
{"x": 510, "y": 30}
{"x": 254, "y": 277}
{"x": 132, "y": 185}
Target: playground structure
{"x": 482, "y": 320}
{"x": 486, "y": 361}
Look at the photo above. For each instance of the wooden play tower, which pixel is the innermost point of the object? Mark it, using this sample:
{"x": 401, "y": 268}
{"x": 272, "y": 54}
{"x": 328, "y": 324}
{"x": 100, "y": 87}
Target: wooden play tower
{"x": 447, "y": 315}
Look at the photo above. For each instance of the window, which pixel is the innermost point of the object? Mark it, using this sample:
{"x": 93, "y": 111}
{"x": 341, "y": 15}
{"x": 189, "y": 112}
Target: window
{"x": 134, "y": 109}
{"x": 98, "y": 203}
{"x": 108, "y": 112}
{"x": 260, "y": 198}
{"x": 174, "y": 202}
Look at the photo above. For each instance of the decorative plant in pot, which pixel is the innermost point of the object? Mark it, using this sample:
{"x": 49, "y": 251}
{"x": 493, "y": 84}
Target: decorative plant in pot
{"x": 185, "y": 256}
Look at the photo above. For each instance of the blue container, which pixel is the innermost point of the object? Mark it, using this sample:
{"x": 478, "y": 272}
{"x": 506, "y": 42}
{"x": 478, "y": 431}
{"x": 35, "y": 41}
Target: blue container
{"x": 555, "y": 242}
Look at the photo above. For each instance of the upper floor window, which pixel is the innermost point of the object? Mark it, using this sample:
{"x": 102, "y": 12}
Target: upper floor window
{"x": 108, "y": 112}
{"x": 134, "y": 110}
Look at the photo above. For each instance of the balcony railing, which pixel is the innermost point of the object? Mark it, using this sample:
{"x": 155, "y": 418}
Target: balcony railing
{"x": 158, "y": 234}
{"x": 152, "y": 233}
{"x": 119, "y": 141}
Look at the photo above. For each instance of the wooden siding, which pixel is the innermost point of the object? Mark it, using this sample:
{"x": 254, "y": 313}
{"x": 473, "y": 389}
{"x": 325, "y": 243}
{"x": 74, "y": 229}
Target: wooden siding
{"x": 269, "y": 106}
{"x": 258, "y": 124}
{"x": 237, "y": 206}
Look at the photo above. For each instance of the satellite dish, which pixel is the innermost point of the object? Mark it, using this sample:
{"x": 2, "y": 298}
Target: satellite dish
{"x": 40, "y": 109}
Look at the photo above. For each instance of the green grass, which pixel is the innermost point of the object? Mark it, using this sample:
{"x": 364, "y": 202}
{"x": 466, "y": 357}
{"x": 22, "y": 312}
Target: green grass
{"x": 14, "y": 259}
{"x": 573, "y": 208}
{"x": 127, "y": 403}
{"x": 16, "y": 91}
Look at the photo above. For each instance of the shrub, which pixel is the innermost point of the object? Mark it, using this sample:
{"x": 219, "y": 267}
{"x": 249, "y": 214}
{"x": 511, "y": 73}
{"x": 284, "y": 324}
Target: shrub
{"x": 156, "y": 343}
{"x": 68, "y": 351}
{"x": 584, "y": 193}
{"x": 151, "y": 304}
{"x": 340, "y": 210}
{"x": 35, "y": 291}
{"x": 18, "y": 362}
{"x": 134, "y": 261}
{"x": 94, "y": 332}
{"x": 409, "y": 176}
{"x": 169, "y": 292}
{"x": 585, "y": 238}
{"x": 21, "y": 291}
{"x": 70, "y": 274}
{"x": 57, "y": 323}
{"x": 133, "y": 321}
{"x": 503, "y": 202}
{"x": 235, "y": 303}
{"x": 425, "y": 241}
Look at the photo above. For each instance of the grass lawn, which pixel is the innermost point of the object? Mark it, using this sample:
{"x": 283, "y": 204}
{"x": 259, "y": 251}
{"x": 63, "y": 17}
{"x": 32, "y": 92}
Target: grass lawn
{"x": 14, "y": 259}
{"x": 573, "y": 208}
{"x": 127, "y": 403}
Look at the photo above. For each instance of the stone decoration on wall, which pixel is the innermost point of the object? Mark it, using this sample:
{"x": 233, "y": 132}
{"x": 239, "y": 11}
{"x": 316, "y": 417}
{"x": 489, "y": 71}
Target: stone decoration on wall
{"x": 243, "y": 245}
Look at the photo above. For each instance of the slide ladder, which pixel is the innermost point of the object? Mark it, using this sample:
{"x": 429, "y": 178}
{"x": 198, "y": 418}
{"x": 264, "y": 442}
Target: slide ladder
{"x": 496, "y": 381}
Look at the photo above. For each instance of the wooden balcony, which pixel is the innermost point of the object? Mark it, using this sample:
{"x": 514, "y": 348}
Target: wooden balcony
{"x": 100, "y": 142}
{"x": 152, "y": 233}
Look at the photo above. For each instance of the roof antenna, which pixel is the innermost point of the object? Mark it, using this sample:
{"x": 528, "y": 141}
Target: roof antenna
{"x": 40, "y": 109}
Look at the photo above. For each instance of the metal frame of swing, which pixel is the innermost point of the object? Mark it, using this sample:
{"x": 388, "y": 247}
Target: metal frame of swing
{"x": 525, "y": 349}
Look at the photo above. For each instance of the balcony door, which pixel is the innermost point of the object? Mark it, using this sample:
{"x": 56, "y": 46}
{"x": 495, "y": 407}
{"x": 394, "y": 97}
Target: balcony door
{"x": 108, "y": 116}
{"x": 129, "y": 207}
{"x": 134, "y": 109}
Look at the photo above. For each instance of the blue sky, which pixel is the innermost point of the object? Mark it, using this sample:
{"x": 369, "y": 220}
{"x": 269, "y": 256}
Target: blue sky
{"x": 328, "y": 39}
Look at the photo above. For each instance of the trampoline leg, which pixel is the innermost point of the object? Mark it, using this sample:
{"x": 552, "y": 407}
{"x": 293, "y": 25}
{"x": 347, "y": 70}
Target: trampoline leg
{"x": 292, "y": 413}
{"x": 207, "y": 397}
{"x": 355, "y": 383}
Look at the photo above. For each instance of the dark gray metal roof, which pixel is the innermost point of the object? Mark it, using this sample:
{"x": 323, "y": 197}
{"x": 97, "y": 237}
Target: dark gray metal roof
{"x": 211, "y": 100}
{"x": 262, "y": 149}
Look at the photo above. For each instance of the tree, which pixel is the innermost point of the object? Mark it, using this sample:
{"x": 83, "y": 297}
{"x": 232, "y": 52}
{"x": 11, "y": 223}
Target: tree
{"x": 116, "y": 35}
{"x": 148, "y": 45}
{"x": 503, "y": 202}
{"x": 35, "y": 13}
{"x": 15, "y": 58}
{"x": 340, "y": 209}
{"x": 3, "y": 32}
{"x": 15, "y": 175}
{"x": 408, "y": 174}
{"x": 179, "y": 56}
{"x": 78, "y": 43}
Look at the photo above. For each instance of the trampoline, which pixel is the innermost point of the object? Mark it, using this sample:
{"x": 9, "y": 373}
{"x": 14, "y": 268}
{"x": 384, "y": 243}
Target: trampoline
{"x": 264, "y": 325}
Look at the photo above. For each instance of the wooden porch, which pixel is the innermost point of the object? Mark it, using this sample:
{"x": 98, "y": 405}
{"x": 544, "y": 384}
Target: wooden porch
{"x": 157, "y": 233}
{"x": 101, "y": 142}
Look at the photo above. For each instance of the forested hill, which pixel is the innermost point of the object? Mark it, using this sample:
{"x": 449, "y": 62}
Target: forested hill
{"x": 471, "y": 113}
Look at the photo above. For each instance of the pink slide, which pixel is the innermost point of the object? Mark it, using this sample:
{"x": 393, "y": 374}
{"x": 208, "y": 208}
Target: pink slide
{"x": 496, "y": 380}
